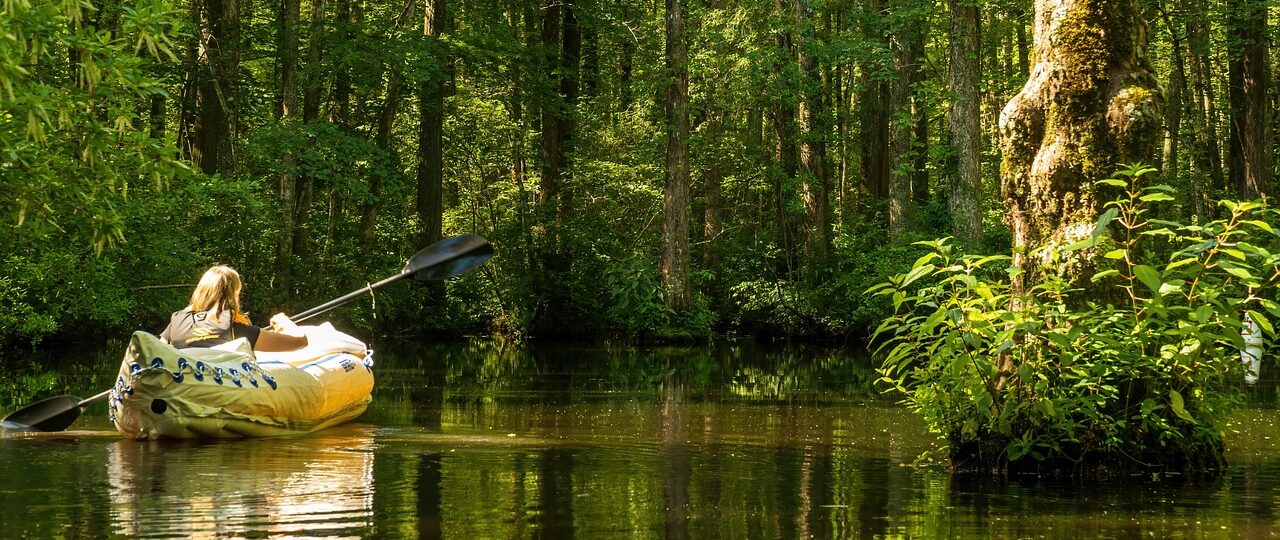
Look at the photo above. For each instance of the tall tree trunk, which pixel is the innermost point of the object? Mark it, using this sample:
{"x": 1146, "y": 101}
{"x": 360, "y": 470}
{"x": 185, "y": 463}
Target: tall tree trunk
{"x": 908, "y": 53}
{"x": 675, "y": 198}
{"x": 1251, "y": 153}
{"x": 557, "y": 141}
{"x": 1198, "y": 55}
{"x": 873, "y": 113}
{"x": 1092, "y": 102}
{"x": 431, "y": 94}
{"x": 215, "y": 66}
{"x": 287, "y": 112}
{"x": 1169, "y": 160}
{"x": 340, "y": 113}
{"x": 964, "y": 121}
{"x": 813, "y": 147}
{"x": 1024, "y": 59}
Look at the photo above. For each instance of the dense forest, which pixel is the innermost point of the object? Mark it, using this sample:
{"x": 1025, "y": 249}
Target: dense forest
{"x": 678, "y": 168}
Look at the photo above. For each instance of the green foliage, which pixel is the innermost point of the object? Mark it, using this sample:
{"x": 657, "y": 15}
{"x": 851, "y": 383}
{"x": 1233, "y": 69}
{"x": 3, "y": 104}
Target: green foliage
{"x": 1136, "y": 366}
{"x": 70, "y": 146}
{"x": 635, "y": 301}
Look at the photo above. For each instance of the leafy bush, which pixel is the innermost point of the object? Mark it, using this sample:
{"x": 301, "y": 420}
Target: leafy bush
{"x": 1135, "y": 367}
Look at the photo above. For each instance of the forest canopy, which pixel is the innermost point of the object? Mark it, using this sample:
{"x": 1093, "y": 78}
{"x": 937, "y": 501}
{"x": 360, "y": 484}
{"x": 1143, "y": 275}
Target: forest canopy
{"x": 727, "y": 165}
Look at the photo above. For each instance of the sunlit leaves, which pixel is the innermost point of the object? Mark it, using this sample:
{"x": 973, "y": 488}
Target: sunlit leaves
{"x": 1150, "y": 376}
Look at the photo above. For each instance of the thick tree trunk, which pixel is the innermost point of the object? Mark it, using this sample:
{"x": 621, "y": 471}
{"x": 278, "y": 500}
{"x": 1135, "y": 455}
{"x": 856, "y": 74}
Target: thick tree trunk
{"x": 813, "y": 147}
{"x": 1091, "y": 103}
{"x": 964, "y": 122}
{"x": 675, "y": 198}
{"x": 215, "y": 65}
{"x": 1251, "y": 154}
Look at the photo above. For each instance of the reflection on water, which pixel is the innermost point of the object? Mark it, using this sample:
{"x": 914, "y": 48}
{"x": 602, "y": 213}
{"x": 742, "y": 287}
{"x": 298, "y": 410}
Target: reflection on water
{"x": 470, "y": 441}
{"x": 278, "y": 487}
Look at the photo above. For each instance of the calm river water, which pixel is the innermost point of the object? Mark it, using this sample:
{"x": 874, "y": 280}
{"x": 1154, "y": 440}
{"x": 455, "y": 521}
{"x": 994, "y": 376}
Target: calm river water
{"x": 472, "y": 441}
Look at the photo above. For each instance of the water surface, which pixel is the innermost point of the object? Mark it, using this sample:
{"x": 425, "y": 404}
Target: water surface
{"x": 474, "y": 441}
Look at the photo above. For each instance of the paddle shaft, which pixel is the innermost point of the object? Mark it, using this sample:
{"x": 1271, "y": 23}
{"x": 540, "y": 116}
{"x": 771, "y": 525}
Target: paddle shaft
{"x": 347, "y": 298}
{"x": 95, "y": 399}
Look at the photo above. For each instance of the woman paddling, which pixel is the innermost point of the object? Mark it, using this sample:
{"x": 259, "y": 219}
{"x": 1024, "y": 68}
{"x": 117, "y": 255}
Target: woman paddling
{"x": 213, "y": 317}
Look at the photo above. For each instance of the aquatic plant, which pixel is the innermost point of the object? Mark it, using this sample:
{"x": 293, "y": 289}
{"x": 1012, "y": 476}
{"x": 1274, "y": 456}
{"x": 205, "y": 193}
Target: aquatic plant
{"x": 1134, "y": 366}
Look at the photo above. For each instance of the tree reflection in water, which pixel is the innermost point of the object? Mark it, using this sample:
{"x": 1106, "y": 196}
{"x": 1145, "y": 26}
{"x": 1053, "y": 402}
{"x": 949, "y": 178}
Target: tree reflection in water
{"x": 472, "y": 441}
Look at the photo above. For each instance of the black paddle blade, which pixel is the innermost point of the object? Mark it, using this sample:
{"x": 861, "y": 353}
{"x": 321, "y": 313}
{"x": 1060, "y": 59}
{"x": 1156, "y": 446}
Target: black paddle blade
{"x": 51, "y": 414}
{"x": 449, "y": 257}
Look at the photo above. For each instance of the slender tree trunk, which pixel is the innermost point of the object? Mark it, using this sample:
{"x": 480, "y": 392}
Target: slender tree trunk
{"x": 1024, "y": 58}
{"x": 813, "y": 147}
{"x": 287, "y": 112}
{"x": 909, "y": 52}
{"x": 1199, "y": 49}
{"x": 431, "y": 94}
{"x": 675, "y": 200}
{"x": 287, "y": 59}
{"x": 1169, "y": 161}
{"x": 340, "y": 113}
{"x": 964, "y": 121}
{"x": 1251, "y": 154}
{"x": 873, "y": 114}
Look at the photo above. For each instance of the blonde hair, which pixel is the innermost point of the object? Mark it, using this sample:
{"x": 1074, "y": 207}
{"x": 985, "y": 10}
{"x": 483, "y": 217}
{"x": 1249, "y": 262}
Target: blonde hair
{"x": 218, "y": 291}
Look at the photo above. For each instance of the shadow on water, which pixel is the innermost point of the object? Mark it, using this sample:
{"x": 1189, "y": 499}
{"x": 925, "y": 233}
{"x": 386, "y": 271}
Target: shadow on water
{"x": 474, "y": 441}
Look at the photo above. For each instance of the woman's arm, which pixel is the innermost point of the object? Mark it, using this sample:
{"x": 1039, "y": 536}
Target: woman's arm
{"x": 283, "y": 336}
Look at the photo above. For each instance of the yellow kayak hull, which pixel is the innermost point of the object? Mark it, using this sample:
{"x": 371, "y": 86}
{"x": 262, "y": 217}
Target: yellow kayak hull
{"x": 229, "y": 392}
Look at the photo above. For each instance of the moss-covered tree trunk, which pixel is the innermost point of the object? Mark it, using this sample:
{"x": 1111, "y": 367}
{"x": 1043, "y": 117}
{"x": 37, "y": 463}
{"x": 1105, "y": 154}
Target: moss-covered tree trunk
{"x": 1091, "y": 102}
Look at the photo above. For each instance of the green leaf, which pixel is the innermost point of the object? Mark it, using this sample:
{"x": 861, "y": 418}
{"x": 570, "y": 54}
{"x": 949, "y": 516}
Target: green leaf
{"x": 1115, "y": 254}
{"x": 1156, "y": 197}
{"x": 916, "y": 273}
{"x": 1238, "y": 272}
{"x": 1113, "y": 182}
{"x": 924, "y": 259}
{"x": 1148, "y": 276}
{"x": 1259, "y": 224}
{"x": 1104, "y": 220}
{"x": 1179, "y": 408}
{"x": 1262, "y": 322}
{"x": 1104, "y": 274}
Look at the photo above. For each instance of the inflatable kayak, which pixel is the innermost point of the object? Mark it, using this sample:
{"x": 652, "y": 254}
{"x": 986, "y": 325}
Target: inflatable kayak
{"x": 228, "y": 391}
